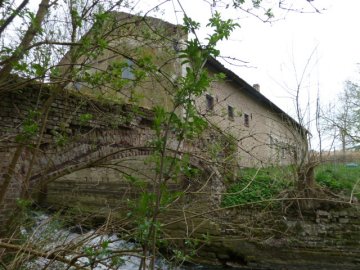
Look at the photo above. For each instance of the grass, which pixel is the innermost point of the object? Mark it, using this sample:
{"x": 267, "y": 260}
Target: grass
{"x": 258, "y": 185}
{"x": 339, "y": 178}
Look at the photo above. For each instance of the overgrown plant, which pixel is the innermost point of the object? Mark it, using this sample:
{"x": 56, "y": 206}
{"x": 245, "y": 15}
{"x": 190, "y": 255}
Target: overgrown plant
{"x": 183, "y": 127}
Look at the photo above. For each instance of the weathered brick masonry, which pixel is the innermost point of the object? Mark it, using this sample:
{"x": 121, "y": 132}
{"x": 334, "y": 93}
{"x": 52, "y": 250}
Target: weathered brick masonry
{"x": 77, "y": 133}
{"x": 109, "y": 128}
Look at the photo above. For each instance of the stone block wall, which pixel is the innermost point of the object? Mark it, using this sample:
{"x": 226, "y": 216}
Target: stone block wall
{"x": 257, "y": 239}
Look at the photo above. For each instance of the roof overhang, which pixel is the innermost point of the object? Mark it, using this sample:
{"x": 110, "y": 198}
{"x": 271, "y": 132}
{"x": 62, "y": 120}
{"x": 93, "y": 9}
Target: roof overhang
{"x": 252, "y": 92}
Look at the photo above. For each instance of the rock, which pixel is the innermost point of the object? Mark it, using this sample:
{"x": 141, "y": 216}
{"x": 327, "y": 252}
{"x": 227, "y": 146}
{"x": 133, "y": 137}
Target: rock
{"x": 343, "y": 220}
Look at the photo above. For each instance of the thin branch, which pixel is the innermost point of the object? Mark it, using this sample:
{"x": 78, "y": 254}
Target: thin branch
{"x": 12, "y": 16}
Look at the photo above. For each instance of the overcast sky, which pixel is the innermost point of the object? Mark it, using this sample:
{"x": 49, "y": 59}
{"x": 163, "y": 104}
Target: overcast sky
{"x": 330, "y": 39}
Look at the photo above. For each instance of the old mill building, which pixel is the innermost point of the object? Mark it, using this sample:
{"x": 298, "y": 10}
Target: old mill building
{"x": 263, "y": 133}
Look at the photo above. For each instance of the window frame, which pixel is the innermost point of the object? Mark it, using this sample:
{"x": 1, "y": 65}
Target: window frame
{"x": 127, "y": 72}
{"x": 246, "y": 120}
{"x": 231, "y": 112}
{"x": 210, "y": 102}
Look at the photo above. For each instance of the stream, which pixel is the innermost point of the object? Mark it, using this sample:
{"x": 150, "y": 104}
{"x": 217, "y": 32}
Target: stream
{"x": 94, "y": 250}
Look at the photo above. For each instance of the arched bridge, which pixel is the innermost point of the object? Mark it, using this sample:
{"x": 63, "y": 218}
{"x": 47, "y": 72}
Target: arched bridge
{"x": 48, "y": 137}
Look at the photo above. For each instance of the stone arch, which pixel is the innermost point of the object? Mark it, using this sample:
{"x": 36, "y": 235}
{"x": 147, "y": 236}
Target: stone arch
{"x": 100, "y": 186}
{"x": 115, "y": 131}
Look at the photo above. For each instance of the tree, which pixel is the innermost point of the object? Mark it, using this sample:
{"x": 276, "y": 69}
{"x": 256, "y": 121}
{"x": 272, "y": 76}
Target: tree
{"x": 342, "y": 118}
{"x": 48, "y": 32}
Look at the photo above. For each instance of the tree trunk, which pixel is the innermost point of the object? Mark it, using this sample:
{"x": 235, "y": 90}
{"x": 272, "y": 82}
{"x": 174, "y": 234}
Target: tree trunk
{"x": 26, "y": 40}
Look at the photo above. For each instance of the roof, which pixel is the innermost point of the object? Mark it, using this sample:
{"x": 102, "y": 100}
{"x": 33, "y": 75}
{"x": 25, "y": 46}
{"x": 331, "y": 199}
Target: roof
{"x": 252, "y": 92}
{"x": 126, "y": 17}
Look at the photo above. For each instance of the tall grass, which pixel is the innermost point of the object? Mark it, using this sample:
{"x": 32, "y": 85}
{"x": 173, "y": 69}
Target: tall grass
{"x": 339, "y": 178}
{"x": 255, "y": 185}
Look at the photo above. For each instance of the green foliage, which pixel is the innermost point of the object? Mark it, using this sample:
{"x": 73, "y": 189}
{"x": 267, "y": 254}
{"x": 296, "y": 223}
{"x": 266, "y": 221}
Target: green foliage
{"x": 256, "y": 3}
{"x": 117, "y": 261}
{"x": 145, "y": 229}
{"x": 269, "y": 13}
{"x": 166, "y": 122}
{"x": 256, "y": 186}
{"x": 85, "y": 118}
{"x": 184, "y": 126}
{"x": 60, "y": 137}
{"x": 222, "y": 31}
{"x": 190, "y": 25}
{"x": 98, "y": 252}
{"x": 179, "y": 256}
{"x": 238, "y": 3}
{"x": 339, "y": 178}
{"x": 134, "y": 180}
{"x": 330, "y": 179}
{"x": 29, "y": 127}
{"x": 23, "y": 204}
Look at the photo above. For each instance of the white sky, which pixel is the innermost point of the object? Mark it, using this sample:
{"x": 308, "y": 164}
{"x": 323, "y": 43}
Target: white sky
{"x": 274, "y": 49}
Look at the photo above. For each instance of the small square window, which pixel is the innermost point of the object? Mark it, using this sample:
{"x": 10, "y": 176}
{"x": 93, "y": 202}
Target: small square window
{"x": 246, "y": 120}
{"x": 209, "y": 102}
{"x": 127, "y": 71}
{"x": 231, "y": 113}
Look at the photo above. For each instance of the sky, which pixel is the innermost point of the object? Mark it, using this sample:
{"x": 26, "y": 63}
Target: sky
{"x": 327, "y": 38}
{"x": 323, "y": 47}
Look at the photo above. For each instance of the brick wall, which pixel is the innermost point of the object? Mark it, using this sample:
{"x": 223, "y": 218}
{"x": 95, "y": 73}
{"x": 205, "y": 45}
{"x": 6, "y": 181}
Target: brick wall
{"x": 71, "y": 140}
{"x": 111, "y": 126}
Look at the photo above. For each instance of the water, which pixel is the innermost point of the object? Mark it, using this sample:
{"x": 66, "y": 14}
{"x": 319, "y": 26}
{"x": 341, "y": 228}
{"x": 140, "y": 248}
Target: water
{"x": 93, "y": 250}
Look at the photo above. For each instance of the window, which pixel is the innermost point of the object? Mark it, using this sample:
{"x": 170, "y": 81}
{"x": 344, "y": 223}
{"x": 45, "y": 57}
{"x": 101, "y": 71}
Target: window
{"x": 77, "y": 85}
{"x": 271, "y": 141}
{"x": 283, "y": 150}
{"x": 231, "y": 113}
{"x": 209, "y": 102}
{"x": 127, "y": 71}
{"x": 246, "y": 120}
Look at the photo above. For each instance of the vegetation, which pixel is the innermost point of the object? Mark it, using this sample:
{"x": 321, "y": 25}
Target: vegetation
{"x": 56, "y": 28}
{"x": 341, "y": 120}
{"x": 131, "y": 68}
{"x": 339, "y": 178}
{"x": 258, "y": 185}
{"x": 255, "y": 186}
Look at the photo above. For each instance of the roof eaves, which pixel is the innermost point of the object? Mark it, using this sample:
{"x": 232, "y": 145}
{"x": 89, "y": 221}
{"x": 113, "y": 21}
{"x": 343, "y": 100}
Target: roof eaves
{"x": 252, "y": 91}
